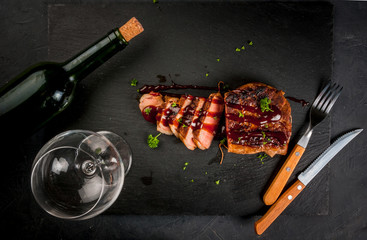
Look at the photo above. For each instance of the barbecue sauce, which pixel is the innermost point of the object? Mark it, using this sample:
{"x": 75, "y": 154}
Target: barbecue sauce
{"x": 243, "y": 117}
{"x": 157, "y": 88}
{"x": 209, "y": 127}
{"x": 150, "y": 113}
{"x": 264, "y": 119}
{"x": 257, "y": 138}
{"x": 301, "y": 101}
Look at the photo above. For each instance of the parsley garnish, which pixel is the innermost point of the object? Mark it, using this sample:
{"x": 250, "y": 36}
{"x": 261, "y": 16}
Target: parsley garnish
{"x": 98, "y": 151}
{"x": 262, "y": 156}
{"x": 250, "y": 43}
{"x": 206, "y": 74}
{"x": 155, "y": 1}
{"x": 134, "y": 82}
{"x": 238, "y": 50}
{"x": 218, "y": 59}
{"x": 147, "y": 110}
{"x": 266, "y": 140}
{"x": 153, "y": 141}
{"x": 240, "y": 114}
{"x": 174, "y": 104}
{"x": 217, "y": 182}
{"x": 264, "y": 105}
{"x": 263, "y": 133}
{"x": 243, "y": 47}
{"x": 179, "y": 120}
{"x": 223, "y": 141}
{"x": 226, "y": 87}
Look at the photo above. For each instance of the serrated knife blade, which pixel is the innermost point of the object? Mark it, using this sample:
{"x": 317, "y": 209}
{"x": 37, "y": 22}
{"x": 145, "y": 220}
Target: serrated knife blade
{"x": 306, "y": 176}
{"x": 303, "y": 179}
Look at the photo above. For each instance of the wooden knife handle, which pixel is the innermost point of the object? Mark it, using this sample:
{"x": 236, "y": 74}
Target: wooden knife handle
{"x": 263, "y": 223}
{"x": 281, "y": 179}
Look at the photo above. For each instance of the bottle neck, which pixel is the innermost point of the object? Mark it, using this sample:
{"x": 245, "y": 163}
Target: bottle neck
{"x": 95, "y": 55}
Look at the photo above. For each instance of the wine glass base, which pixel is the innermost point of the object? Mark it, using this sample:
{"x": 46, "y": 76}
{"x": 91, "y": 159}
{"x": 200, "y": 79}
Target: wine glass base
{"x": 121, "y": 146}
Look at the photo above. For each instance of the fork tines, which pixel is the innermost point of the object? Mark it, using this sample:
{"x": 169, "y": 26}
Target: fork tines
{"x": 327, "y": 97}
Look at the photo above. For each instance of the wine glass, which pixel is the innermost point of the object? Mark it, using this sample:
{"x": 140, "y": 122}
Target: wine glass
{"x": 78, "y": 174}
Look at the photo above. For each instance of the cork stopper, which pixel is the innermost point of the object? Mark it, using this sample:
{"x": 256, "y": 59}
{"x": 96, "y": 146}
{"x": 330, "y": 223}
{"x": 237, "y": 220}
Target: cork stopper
{"x": 131, "y": 29}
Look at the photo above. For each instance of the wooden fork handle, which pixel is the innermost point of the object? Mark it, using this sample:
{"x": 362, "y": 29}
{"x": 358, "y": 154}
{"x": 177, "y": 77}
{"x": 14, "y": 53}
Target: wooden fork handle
{"x": 281, "y": 179}
{"x": 282, "y": 203}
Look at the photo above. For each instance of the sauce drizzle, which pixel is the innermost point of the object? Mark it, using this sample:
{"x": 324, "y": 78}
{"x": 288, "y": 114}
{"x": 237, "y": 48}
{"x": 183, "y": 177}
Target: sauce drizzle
{"x": 160, "y": 87}
{"x": 301, "y": 101}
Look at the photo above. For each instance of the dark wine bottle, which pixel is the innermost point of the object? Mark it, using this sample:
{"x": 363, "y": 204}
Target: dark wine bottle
{"x": 43, "y": 91}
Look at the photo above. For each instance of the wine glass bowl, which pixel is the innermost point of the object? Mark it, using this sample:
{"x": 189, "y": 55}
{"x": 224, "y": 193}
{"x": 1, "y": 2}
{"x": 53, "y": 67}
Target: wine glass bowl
{"x": 78, "y": 174}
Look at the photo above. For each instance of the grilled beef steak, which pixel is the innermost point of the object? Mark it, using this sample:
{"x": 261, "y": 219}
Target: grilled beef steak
{"x": 194, "y": 120}
{"x": 169, "y": 110}
{"x": 206, "y": 125}
{"x": 258, "y": 119}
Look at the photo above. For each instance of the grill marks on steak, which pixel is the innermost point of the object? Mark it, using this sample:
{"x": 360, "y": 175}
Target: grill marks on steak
{"x": 249, "y": 130}
{"x": 206, "y": 125}
{"x": 186, "y": 129}
{"x": 194, "y": 120}
{"x": 170, "y": 110}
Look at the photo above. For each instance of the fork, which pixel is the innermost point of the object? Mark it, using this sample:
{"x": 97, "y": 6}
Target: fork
{"x": 319, "y": 110}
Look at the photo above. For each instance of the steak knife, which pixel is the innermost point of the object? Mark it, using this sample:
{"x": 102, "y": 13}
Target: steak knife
{"x": 303, "y": 179}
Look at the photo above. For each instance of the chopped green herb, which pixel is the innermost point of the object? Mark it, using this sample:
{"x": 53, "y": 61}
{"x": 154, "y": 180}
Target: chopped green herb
{"x": 238, "y": 50}
{"x": 240, "y": 114}
{"x": 98, "y": 151}
{"x": 265, "y": 138}
{"x": 206, "y": 74}
{"x": 263, "y": 133}
{"x": 243, "y": 47}
{"x": 155, "y": 1}
{"x": 153, "y": 141}
{"x": 239, "y": 139}
{"x": 186, "y": 163}
{"x": 184, "y": 125}
{"x": 184, "y": 168}
{"x": 226, "y": 87}
{"x": 264, "y": 105}
{"x": 137, "y": 90}
{"x": 134, "y": 82}
{"x": 218, "y": 59}
{"x": 217, "y": 182}
{"x": 262, "y": 157}
{"x": 215, "y": 117}
{"x": 179, "y": 120}
{"x": 250, "y": 43}
{"x": 206, "y": 173}
{"x": 174, "y": 104}
{"x": 147, "y": 110}
{"x": 223, "y": 141}
{"x": 192, "y": 180}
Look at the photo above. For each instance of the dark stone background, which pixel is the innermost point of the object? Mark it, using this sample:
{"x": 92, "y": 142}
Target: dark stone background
{"x": 24, "y": 41}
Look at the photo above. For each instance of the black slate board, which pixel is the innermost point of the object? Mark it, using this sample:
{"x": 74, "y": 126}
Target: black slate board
{"x": 292, "y": 49}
